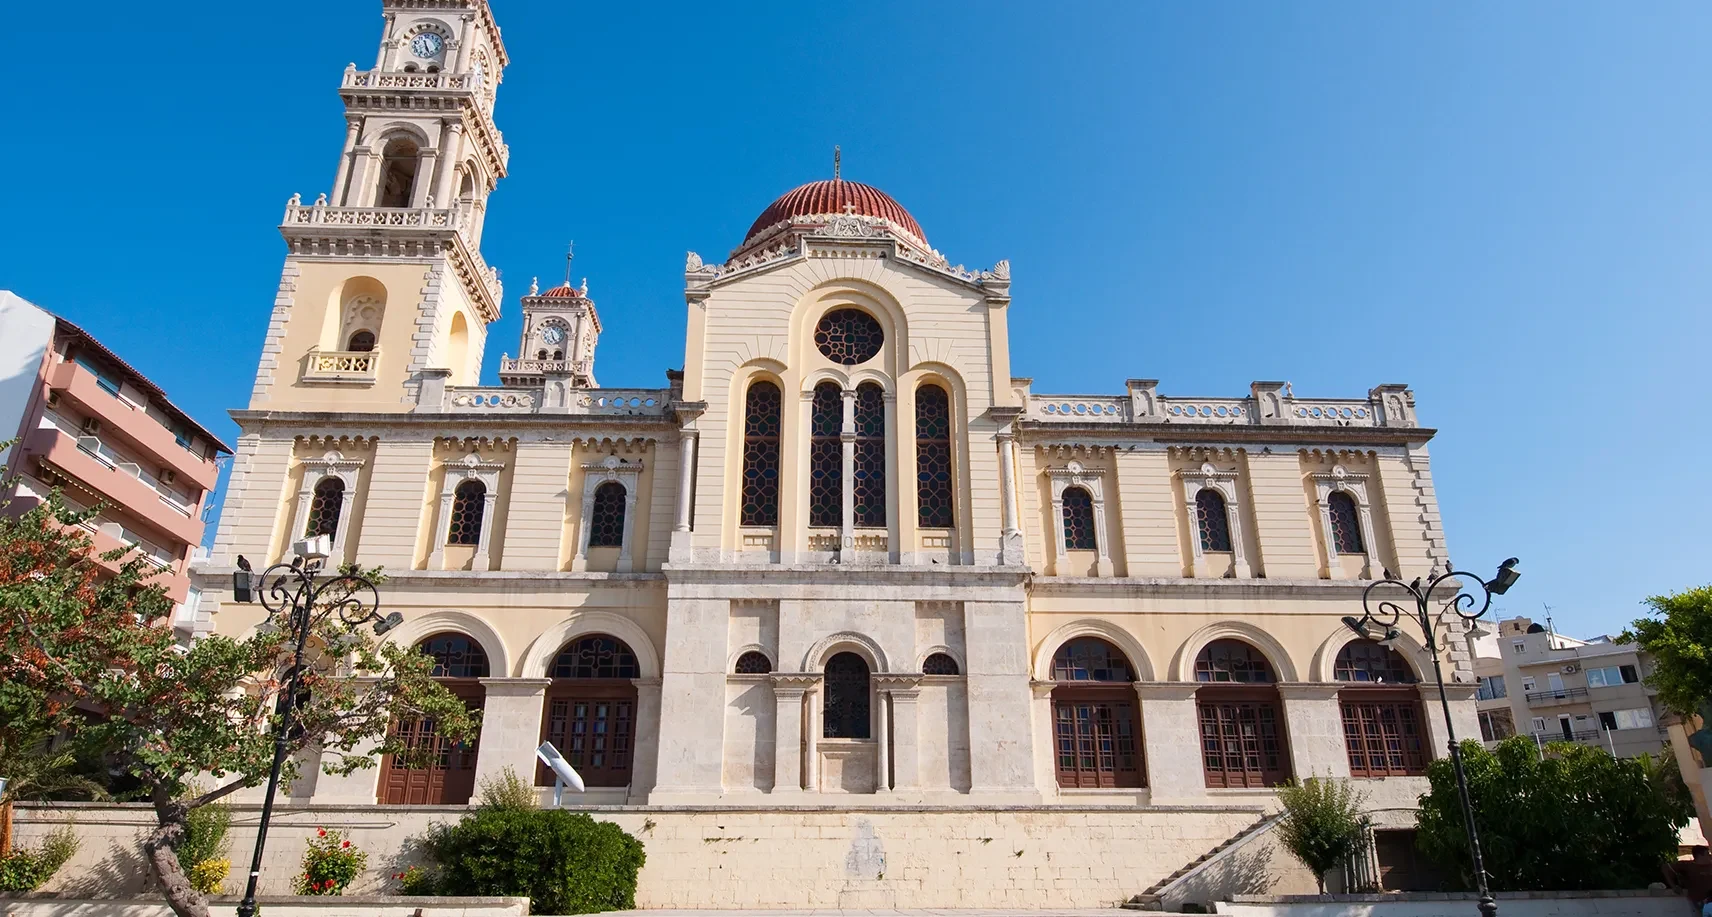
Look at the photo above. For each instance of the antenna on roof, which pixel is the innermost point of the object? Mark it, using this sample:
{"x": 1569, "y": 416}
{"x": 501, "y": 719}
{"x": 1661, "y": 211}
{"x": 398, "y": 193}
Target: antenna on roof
{"x": 837, "y": 162}
{"x": 570, "y": 255}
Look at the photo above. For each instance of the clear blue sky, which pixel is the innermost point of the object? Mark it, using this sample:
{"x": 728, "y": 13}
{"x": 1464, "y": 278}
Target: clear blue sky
{"x": 1504, "y": 205}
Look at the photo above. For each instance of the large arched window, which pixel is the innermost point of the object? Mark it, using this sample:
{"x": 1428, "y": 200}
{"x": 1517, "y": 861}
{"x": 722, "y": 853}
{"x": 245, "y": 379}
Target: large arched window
{"x": 1079, "y": 520}
{"x": 1241, "y": 717}
{"x": 826, "y": 458}
{"x": 1346, "y": 524}
{"x": 847, "y": 702}
{"x": 590, "y": 713}
{"x": 761, "y": 454}
{"x": 933, "y": 493}
{"x": 1212, "y": 520}
{"x": 869, "y": 474}
{"x": 606, "y": 518}
{"x": 1096, "y": 737}
{"x": 449, "y": 775}
{"x": 398, "y": 173}
{"x": 468, "y": 503}
{"x": 1384, "y": 729}
{"x": 325, "y": 506}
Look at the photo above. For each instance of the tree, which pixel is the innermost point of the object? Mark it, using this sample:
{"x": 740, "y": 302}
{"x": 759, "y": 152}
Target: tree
{"x": 1323, "y": 824}
{"x": 93, "y": 653}
{"x": 34, "y": 770}
{"x": 1679, "y": 640}
{"x": 1571, "y": 818}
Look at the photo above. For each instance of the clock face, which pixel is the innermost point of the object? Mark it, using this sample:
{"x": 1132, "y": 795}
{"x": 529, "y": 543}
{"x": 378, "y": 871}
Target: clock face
{"x": 426, "y": 45}
{"x": 553, "y": 335}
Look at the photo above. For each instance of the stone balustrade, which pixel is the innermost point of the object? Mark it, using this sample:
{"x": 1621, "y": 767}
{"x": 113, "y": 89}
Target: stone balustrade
{"x": 492, "y": 399}
{"x": 342, "y": 366}
{"x": 1270, "y": 404}
{"x": 538, "y": 400}
{"x": 508, "y": 366}
{"x": 440, "y": 82}
{"x": 299, "y": 215}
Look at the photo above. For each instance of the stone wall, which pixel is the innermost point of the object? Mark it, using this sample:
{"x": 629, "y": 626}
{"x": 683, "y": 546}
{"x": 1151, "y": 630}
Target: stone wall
{"x": 277, "y": 907}
{"x": 1510, "y": 904}
{"x": 702, "y": 857}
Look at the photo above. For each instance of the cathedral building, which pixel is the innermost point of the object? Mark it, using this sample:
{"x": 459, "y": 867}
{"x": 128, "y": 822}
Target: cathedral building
{"x": 846, "y": 559}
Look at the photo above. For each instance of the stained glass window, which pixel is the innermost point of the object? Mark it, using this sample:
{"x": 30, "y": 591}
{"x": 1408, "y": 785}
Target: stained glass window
{"x": 1346, "y": 524}
{"x": 869, "y": 474}
{"x": 597, "y": 656}
{"x": 761, "y": 454}
{"x": 826, "y": 458}
{"x": 1211, "y": 519}
{"x": 1233, "y": 661}
{"x": 846, "y": 706}
{"x": 848, "y": 336}
{"x": 467, "y": 507}
{"x": 325, "y": 506}
{"x": 1079, "y": 520}
{"x": 455, "y": 656}
{"x": 753, "y": 663}
{"x": 606, "y": 519}
{"x": 933, "y": 458}
{"x": 1090, "y": 659}
{"x": 939, "y": 664}
{"x": 1368, "y": 660}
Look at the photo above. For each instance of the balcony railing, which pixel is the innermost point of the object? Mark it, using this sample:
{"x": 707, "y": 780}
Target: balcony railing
{"x": 509, "y": 366}
{"x": 442, "y": 81}
{"x": 1320, "y": 412}
{"x": 1558, "y": 696}
{"x": 455, "y": 219}
{"x": 1558, "y": 735}
{"x": 342, "y": 366}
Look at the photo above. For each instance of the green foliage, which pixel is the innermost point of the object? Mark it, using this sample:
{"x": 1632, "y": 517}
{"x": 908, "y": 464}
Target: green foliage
{"x": 26, "y": 869}
{"x": 205, "y": 839}
{"x": 1322, "y": 824}
{"x": 507, "y": 791}
{"x": 330, "y": 864}
{"x": 1666, "y": 779}
{"x": 1679, "y": 639}
{"x": 566, "y": 863}
{"x": 1572, "y": 819}
{"x": 416, "y": 880}
{"x": 209, "y": 876}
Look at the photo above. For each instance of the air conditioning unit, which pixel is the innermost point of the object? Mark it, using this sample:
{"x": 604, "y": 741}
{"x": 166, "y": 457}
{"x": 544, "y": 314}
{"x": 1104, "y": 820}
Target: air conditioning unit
{"x": 1571, "y": 669}
{"x": 91, "y": 425}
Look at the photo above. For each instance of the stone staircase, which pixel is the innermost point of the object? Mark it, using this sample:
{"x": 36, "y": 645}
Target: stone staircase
{"x": 1155, "y": 897}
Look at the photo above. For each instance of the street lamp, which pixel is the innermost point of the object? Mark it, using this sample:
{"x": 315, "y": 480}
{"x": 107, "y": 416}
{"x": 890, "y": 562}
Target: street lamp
{"x": 1384, "y": 616}
{"x": 295, "y": 602}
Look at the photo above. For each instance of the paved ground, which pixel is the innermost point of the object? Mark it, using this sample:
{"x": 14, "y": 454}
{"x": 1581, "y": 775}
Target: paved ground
{"x": 877, "y": 912}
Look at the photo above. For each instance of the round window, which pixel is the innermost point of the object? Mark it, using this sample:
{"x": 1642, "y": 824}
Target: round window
{"x": 848, "y": 336}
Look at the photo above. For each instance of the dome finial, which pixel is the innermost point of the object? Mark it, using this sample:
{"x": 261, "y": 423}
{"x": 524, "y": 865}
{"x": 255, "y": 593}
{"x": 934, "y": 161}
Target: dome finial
{"x": 837, "y": 162}
{"x": 570, "y": 255}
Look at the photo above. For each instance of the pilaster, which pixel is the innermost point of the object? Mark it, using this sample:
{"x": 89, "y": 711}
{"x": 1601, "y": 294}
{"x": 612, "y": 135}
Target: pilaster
{"x": 511, "y": 727}
{"x": 1171, "y": 733}
{"x": 1313, "y": 722}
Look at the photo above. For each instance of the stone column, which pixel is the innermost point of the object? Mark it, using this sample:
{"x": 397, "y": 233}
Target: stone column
{"x": 1313, "y": 724}
{"x": 686, "y": 481}
{"x": 645, "y": 752}
{"x": 511, "y": 727}
{"x": 1010, "y": 539}
{"x": 788, "y": 770}
{"x": 847, "y": 443}
{"x": 883, "y": 741}
{"x": 422, "y": 191}
{"x": 579, "y": 560}
{"x": 1465, "y": 715}
{"x": 627, "y": 539}
{"x": 1046, "y": 738}
{"x": 365, "y": 171}
{"x": 811, "y": 733}
{"x": 444, "y": 192}
{"x": 346, "y": 499}
{"x": 352, "y": 127}
{"x": 485, "y": 540}
{"x": 438, "y": 534}
{"x": 904, "y": 692}
{"x": 1171, "y": 733}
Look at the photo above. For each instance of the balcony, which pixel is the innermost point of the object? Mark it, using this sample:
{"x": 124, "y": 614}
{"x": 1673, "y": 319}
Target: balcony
{"x": 107, "y": 536}
{"x": 1552, "y": 698}
{"x": 118, "y": 483}
{"x": 315, "y": 227}
{"x": 342, "y": 367}
{"x": 1579, "y": 735}
{"x": 133, "y": 425}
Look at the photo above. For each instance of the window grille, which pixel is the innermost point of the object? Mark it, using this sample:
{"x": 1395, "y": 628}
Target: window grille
{"x": 761, "y": 454}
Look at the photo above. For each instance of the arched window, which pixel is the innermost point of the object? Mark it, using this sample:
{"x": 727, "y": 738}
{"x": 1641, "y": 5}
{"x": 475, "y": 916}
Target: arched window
{"x": 449, "y": 776}
{"x": 761, "y": 454}
{"x": 468, "y": 503}
{"x": 1094, "y": 724}
{"x": 1241, "y": 718}
{"x": 590, "y": 712}
{"x": 869, "y": 474}
{"x": 325, "y": 506}
{"x": 1212, "y": 520}
{"x": 753, "y": 663}
{"x": 1384, "y": 730}
{"x": 826, "y": 458}
{"x": 846, "y": 705}
{"x": 1346, "y": 524}
{"x": 455, "y": 656}
{"x": 398, "y": 173}
{"x": 606, "y": 519}
{"x": 1079, "y": 520}
{"x": 939, "y": 664}
{"x": 933, "y": 492}
{"x": 361, "y": 342}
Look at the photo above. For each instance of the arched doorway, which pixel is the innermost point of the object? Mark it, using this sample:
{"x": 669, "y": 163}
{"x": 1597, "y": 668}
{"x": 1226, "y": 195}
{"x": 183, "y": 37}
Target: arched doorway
{"x": 449, "y": 778}
{"x": 1384, "y": 724}
{"x": 1095, "y": 730}
{"x": 1242, "y": 718}
{"x": 590, "y": 714}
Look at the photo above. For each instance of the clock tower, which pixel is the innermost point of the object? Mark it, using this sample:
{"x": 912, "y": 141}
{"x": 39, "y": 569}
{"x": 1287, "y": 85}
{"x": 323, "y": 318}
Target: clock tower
{"x": 560, "y": 329}
{"x": 385, "y": 298}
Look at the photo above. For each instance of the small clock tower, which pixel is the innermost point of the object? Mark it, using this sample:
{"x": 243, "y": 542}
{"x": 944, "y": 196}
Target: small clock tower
{"x": 560, "y": 329}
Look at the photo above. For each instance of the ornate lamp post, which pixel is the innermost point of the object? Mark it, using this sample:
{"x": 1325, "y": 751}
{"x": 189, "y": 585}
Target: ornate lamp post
{"x": 296, "y": 601}
{"x": 1385, "y": 616}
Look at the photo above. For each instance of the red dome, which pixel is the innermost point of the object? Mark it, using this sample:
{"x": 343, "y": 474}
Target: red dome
{"x": 830, "y": 198}
{"x": 563, "y": 291}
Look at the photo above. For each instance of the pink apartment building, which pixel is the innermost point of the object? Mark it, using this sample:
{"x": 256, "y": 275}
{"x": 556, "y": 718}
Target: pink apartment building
{"x": 81, "y": 419}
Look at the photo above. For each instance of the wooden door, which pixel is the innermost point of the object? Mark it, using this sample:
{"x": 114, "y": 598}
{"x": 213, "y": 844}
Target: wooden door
{"x": 592, "y": 722}
{"x": 450, "y": 776}
{"x": 1242, "y": 737}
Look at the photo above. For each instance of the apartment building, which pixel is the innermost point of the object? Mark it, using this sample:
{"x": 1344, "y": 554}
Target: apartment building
{"x": 1560, "y": 689}
{"x": 82, "y": 419}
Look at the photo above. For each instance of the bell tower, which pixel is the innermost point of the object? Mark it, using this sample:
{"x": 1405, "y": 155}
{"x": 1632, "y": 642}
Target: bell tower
{"x": 385, "y": 298}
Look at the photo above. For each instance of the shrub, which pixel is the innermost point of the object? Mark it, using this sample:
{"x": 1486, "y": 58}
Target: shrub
{"x": 507, "y": 791}
{"x": 1322, "y": 824}
{"x": 209, "y": 876}
{"x": 566, "y": 863}
{"x": 27, "y": 869}
{"x": 203, "y": 852}
{"x": 416, "y": 880}
{"x": 330, "y": 864}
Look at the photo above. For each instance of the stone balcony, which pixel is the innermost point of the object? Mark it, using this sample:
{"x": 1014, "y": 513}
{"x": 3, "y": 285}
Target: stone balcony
{"x": 342, "y": 367}
{"x": 319, "y": 228}
{"x": 437, "y": 397}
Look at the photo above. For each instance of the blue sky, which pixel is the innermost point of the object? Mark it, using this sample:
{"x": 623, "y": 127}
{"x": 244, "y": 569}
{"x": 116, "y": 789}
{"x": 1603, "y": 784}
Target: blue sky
{"x": 1504, "y": 205}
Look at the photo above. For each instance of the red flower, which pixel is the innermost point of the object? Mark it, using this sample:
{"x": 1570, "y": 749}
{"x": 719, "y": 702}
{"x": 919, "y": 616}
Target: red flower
{"x": 345, "y": 844}
{"x": 321, "y": 831}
